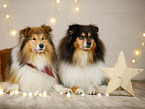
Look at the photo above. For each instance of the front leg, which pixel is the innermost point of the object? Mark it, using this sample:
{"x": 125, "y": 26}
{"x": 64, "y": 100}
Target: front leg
{"x": 60, "y": 88}
{"x": 92, "y": 90}
{"x": 8, "y": 86}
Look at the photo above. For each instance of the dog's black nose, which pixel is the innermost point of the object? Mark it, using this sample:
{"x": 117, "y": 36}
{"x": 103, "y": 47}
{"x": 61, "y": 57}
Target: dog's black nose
{"x": 41, "y": 45}
{"x": 89, "y": 43}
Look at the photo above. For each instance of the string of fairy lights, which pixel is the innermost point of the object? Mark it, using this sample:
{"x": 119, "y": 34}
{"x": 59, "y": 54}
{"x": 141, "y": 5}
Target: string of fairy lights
{"x": 44, "y": 93}
{"x": 41, "y": 94}
{"x": 51, "y": 20}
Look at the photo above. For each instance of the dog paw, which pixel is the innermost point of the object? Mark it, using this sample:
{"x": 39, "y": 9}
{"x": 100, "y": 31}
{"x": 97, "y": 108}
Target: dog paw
{"x": 60, "y": 88}
{"x": 11, "y": 87}
{"x": 92, "y": 90}
{"x": 66, "y": 90}
{"x": 79, "y": 91}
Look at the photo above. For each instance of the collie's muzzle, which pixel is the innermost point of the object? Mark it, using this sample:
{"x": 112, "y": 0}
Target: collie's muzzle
{"x": 40, "y": 47}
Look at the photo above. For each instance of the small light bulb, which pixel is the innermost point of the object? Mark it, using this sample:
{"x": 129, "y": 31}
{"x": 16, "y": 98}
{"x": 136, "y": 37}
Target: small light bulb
{"x": 13, "y": 33}
{"x": 1, "y": 92}
{"x": 142, "y": 44}
{"x": 83, "y": 94}
{"x": 30, "y": 94}
{"x": 40, "y": 94}
{"x": 60, "y": 93}
{"x": 35, "y": 94}
{"x": 57, "y": 1}
{"x": 7, "y": 16}
{"x": 143, "y": 34}
{"x": 107, "y": 95}
{"x": 77, "y": 9}
{"x": 99, "y": 94}
{"x": 5, "y": 5}
{"x": 24, "y": 94}
{"x": 44, "y": 93}
{"x": 52, "y": 20}
{"x": 68, "y": 94}
{"x": 76, "y": 0}
{"x": 12, "y": 93}
{"x": 16, "y": 92}
{"x": 137, "y": 52}
{"x": 133, "y": 61}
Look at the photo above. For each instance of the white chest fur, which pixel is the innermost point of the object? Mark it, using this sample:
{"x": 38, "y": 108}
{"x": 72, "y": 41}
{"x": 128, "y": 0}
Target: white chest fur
{"x": 32, "y": 80}
{"x": 72, "y": 76}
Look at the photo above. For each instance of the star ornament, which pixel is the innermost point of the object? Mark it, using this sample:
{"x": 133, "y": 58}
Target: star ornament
{"x": 120, "y": 75}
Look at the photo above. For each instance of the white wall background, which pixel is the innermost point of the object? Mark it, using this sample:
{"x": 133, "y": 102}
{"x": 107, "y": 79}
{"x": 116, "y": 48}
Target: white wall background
{"x": 121, "y": 23}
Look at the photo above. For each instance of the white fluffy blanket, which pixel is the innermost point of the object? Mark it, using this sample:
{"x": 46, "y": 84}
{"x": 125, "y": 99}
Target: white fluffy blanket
{"x": 117, "y": 100}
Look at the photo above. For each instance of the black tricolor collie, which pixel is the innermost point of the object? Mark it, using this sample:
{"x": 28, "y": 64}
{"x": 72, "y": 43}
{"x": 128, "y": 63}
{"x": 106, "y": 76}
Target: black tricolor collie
{"x": 80, "y": 52}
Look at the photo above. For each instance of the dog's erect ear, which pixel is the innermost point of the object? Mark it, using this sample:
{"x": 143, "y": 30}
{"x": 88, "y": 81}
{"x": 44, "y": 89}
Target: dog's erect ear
{"x": 73, "y": 28}
{"x": 95, "y": 28}
{"x": 24, "y": 32}
{"x": 46, "y": 28}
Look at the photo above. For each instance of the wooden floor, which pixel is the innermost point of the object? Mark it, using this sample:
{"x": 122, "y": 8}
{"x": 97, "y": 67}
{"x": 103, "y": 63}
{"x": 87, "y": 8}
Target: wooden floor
{"x": 117, "y": 100}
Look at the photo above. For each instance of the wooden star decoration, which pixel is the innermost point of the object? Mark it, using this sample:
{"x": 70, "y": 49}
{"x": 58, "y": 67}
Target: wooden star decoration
{"x": 120, "y": 75}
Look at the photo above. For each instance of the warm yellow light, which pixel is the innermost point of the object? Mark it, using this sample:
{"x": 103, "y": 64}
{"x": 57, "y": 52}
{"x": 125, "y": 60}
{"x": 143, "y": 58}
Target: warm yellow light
{"x": 52, "y": 20}
{"x": 44, "y": 93}
{"x": 143, "y": 34}
{"x": 16, "y": 92}
{"x": 30, "y": 94}
{"x": 83, "y": 94}
{"x": 68, "y": 94}
{"x": 40, "y": 94}
{"x": 137, "y": 52}
{"x": 1, "y": 92}
{"x": 13, "y": 33}
{"x": 77, "y": 9}
{"x": 142, "y": 44}
{"x": 76, "y": 0}
{"x": 107, "y": 95}
{"x": 133, "y": 61}
{"x": 7, "y": 16}
{"x": 12, "y": 93}
{"x": 99, "y": 94}
{"x": 5, "y": 5}
{"x": 60, "y": 93}
{"x": 24, "y": 94}
{"x": 57, "y": 1}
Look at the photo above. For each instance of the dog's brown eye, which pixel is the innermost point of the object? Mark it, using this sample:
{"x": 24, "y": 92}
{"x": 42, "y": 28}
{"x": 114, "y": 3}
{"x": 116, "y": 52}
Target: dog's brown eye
{"x": 34, "y": 38}
{"x": 90, "y": 37}
{"x": 81, "y": 37}
{"x": 43, "y": 38}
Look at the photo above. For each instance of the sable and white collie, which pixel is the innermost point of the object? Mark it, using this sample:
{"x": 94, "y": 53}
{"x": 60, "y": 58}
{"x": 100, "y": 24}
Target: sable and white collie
{"x": 33, "y": 63}
{"x": 81, "y": 52}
